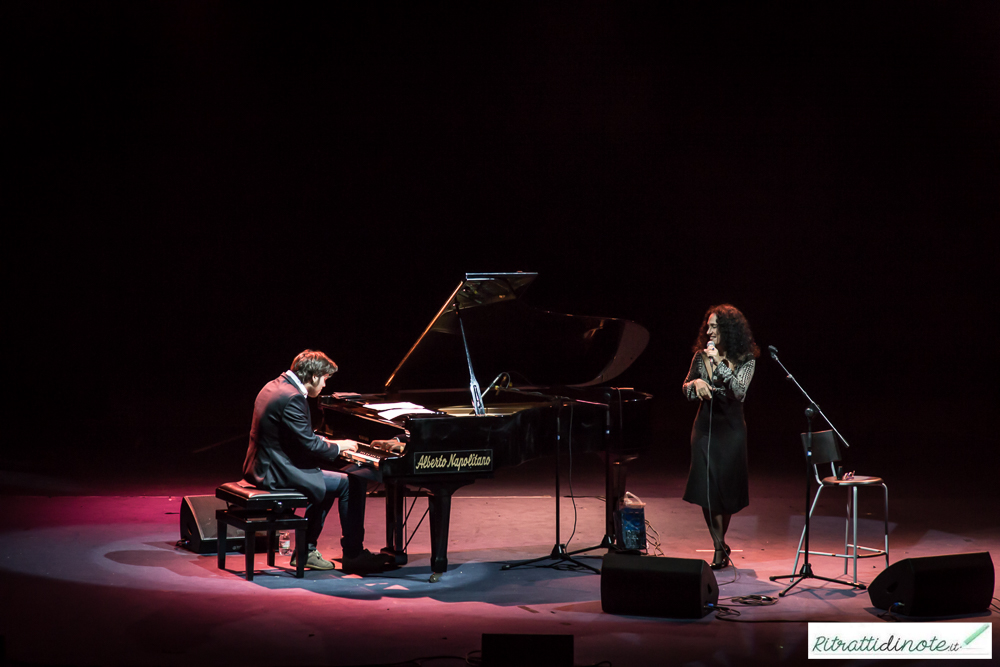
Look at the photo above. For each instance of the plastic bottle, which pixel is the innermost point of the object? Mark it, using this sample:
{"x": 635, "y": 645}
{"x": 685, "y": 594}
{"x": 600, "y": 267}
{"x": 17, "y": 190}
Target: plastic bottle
{"x": 285, "y": 546}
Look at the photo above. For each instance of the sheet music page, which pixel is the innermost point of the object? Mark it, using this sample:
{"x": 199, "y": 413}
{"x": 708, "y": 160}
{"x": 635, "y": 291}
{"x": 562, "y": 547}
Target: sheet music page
{"x": 393, "y": 410}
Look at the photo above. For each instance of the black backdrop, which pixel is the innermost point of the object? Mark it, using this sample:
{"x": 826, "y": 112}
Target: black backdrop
{"x": 203, "y": 190}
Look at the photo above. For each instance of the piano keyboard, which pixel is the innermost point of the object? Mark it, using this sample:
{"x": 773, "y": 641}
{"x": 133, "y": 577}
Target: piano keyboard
{"x": 371, "y": 455}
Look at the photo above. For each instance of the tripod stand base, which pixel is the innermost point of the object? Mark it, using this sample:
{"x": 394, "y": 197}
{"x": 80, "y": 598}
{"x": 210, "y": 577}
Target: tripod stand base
{"x": 807, "y": 573}
{"x": 559, "y": 555}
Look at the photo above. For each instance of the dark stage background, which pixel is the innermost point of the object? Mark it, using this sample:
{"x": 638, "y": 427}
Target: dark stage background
{"x": 203, "y": 190}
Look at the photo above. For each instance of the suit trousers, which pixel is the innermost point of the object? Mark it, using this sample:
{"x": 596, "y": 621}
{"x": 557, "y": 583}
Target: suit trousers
{"x": 348, "y": 491}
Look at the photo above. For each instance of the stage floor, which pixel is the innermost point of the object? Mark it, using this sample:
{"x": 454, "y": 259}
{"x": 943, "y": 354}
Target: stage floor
{"x": 94, "y": 577}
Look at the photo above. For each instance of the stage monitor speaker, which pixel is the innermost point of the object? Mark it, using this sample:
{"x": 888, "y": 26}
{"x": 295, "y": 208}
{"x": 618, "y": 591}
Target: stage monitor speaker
{"x": 502, "y": 650}
{"x": 936, "y": 585}
{"x": 638, "y": 585}
{"x": 199, "y": 532}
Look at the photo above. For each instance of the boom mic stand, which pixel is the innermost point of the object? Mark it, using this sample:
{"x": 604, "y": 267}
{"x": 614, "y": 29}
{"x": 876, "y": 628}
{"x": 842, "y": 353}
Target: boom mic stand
{"x": 806, "y": 571}
{"x": 559, "y": 554}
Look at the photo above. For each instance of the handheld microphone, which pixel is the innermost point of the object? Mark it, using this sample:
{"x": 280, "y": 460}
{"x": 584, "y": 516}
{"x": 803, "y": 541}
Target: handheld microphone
{"x": 711, "y": 362}
{"x": 773, "y": 350}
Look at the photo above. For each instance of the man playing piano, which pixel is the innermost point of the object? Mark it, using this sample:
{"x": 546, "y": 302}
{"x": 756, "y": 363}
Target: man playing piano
{"x": 285, "y": 453}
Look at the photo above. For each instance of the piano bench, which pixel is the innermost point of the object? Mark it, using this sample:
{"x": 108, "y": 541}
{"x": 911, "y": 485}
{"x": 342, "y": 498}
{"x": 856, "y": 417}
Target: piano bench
{"x": 251, "y": 510}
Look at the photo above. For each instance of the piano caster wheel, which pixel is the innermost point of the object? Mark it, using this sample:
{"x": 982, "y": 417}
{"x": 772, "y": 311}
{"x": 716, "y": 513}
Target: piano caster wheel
{"x": 435, "y": 577}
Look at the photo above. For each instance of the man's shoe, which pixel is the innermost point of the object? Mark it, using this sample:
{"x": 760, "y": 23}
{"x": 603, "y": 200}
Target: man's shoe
{"x": 314, "y": 561}
{"x": 367, "y": 563}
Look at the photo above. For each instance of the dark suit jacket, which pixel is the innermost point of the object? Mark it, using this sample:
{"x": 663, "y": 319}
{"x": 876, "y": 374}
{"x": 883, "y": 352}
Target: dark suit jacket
{"x": 284, "y": 452}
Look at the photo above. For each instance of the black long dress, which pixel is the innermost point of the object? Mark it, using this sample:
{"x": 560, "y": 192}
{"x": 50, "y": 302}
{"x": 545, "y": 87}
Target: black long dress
{"x": 718, "y": 478}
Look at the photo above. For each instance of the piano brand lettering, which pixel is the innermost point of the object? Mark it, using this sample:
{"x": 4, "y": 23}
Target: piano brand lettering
{"x": 473, "y": 461}
{"x": 470, "y": 461}
{"x": 426, "y": 462}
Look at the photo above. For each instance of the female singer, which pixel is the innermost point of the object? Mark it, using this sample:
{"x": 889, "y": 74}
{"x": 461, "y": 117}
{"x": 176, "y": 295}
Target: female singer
{"x": 720, "y": 374}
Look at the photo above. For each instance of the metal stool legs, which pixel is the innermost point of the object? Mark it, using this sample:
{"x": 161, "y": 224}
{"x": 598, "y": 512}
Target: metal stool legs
{"x": 851, "y": 546}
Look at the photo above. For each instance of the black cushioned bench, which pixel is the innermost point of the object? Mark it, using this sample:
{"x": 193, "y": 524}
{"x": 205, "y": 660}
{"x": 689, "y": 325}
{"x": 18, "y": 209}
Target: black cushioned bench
{"x": 251, "y": 510}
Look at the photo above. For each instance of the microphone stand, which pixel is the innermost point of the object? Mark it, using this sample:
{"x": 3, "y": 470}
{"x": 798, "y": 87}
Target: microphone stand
{"x": 559, "y": 554}
{"x": 806, "y": 571}
{"x": 812, "y": 404}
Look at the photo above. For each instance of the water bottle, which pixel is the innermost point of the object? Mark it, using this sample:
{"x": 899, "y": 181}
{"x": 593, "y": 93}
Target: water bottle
{"x": 285, "y": 547}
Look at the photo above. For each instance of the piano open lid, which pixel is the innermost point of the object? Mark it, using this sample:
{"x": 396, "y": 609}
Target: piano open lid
{"x": 505, "y": 335}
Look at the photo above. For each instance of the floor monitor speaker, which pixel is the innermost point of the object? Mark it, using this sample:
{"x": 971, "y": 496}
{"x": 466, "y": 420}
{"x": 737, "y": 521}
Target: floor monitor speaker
{"x": 199, "y": 532}
{"x": 637, "y": 585}
{"x": 936, "y": 585}
{"x": 502, "y": 650}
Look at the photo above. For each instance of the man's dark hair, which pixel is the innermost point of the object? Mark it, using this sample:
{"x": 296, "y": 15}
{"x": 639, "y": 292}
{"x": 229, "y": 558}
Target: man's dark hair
{"x": 312, "y": 363}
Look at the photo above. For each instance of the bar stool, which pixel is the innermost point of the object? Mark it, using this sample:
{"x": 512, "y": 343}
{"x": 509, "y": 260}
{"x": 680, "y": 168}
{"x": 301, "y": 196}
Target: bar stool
{"x": 251, "y": 509}
{"x": 825, "y": 451}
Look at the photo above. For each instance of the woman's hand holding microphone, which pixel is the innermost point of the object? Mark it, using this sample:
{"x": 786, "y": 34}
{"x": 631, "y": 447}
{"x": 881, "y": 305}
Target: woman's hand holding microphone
{"x": 702, "y": 388}
{"x": 713, "y": 354}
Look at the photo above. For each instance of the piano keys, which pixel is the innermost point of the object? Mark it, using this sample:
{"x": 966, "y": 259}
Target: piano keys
{"x": 372, "y": 454}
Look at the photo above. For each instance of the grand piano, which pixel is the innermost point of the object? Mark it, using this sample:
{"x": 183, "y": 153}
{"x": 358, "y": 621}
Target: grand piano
{"x": 434, "y": 429}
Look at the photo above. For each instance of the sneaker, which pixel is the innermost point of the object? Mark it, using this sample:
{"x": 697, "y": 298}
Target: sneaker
{"x": 314, "y": 561}
{"x": 368, "y": 563}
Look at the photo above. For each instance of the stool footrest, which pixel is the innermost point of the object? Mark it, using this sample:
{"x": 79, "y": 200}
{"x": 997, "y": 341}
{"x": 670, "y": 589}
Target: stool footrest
{"x": 875, "y": 553}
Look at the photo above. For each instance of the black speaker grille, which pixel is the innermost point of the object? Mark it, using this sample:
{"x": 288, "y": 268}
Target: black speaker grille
{"x": 936, "y": 585}
{"x": 649, "y": 586}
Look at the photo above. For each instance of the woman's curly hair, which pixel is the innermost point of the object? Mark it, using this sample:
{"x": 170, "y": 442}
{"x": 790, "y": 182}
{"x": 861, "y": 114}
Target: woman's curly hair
{"x": 735, "y": 337}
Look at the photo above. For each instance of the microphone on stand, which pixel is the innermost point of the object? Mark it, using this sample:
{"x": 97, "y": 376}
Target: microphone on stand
{"x": 773, "y": 350}
{"x": 495, "y": 382}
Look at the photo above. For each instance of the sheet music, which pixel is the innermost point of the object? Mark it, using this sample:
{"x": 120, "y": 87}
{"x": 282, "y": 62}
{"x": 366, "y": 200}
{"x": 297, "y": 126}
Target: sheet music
{"x": 393, "y": 410}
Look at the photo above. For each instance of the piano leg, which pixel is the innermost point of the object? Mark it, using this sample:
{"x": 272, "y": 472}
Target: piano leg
{"x": 439, "y": 503}
{"x": 615, "y": 475}
{"x": 611, "y": 495}
{"x": 394, "y": 535}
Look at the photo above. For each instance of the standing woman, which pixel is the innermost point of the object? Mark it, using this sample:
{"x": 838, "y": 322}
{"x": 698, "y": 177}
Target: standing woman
{"x": 720, "y": 375}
